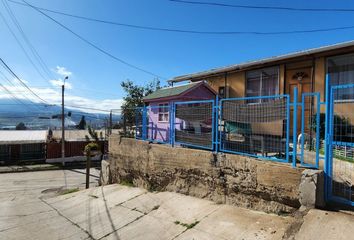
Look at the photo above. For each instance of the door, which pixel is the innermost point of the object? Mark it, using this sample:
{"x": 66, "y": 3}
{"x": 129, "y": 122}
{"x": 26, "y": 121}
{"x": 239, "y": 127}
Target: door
{"x": 300, "y": 78}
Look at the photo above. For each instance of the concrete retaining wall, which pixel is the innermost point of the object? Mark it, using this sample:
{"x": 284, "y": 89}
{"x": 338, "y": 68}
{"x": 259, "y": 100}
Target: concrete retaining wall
{"x": 223, "y": 178}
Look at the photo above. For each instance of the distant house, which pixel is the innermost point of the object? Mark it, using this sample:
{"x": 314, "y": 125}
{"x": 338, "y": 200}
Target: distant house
{"x": 22, "y": 145}
{"x": 159, "y": 103}
{"x": 75, "y": 142}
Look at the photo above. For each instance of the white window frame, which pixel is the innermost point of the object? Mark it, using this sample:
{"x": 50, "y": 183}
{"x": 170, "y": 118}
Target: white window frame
{"x": 165, "y": 114}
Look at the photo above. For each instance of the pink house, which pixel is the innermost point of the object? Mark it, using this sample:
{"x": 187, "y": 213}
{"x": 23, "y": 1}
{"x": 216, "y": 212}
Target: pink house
{"x": 159, "y": 105}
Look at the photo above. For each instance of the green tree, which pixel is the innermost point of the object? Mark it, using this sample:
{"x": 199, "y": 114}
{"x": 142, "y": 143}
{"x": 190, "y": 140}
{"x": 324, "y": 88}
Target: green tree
{"x": 93, "y": 134}
{"x": 82, "y": 123}
{"x": 21, "y": 126}
{"x": 134, "y": 98}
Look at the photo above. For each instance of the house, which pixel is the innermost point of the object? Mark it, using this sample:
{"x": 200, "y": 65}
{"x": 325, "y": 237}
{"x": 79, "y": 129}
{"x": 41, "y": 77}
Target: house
{"x": 159, "y": 106}
{"x": 305, "y": 70}
{"x": 22, "y": 145}
{"x": 75, "y": 142}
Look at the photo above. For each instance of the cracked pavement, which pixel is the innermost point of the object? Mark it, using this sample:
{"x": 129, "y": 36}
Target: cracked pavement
{"x": 32, "y": 209}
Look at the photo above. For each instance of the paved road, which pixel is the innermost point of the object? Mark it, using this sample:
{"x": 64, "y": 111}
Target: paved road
{"x": 23, "y": 212}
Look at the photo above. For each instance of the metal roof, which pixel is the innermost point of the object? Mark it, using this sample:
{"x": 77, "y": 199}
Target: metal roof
{"x": 22, "y": 136}
{"x": 170, "y": 91}
{"x": 240, "y": 66}
{"x": 75, "y": 135}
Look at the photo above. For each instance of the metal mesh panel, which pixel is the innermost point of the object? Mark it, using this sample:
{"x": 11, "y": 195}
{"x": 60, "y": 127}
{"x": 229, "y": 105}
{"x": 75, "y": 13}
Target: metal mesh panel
{"x": 194, "y": 124}
{"x": 257, "y": 129}
{"x": 342, "y": 132}
{"x": 139, "y": 123}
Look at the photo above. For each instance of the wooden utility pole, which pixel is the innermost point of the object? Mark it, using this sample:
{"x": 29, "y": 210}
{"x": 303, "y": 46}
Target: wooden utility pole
{"x": 110, "y": 123}
{"x": 63, "y": 123}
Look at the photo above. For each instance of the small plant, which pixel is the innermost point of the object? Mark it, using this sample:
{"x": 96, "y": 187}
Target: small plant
{"x": 127, "y": 183}
{"x": 69, "y": 190}
{"x": 91, "y": 147}
{"x": 186, "y": 225}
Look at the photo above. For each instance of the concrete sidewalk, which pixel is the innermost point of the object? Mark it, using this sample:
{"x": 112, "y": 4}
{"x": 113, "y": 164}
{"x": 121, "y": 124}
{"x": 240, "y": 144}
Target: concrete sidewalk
{"x": 31, "y": 209}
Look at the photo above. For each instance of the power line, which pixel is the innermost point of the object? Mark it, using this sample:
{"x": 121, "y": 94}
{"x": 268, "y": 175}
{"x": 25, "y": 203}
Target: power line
{"x": 263, "y": 7}
{"x": 22, "y": 83}
{"x": 28, "y": 42}
{"x": 21, "y": 46}
{"x": 315, "y": 30}
{"x": 13, "y": 92}
{"x": 93, "y": 45}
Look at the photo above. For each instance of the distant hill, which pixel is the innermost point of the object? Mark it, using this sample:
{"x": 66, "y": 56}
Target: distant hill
{"x": 40, "y": 116}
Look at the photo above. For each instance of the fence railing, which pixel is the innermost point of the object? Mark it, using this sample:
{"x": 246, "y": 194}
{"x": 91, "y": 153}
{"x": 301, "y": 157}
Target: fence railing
{"x": 267, "y": 127}
{"x": 255, "y": 126}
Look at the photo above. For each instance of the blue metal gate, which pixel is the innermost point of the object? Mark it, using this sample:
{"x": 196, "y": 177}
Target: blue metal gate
{"x": 340, "y": 144}
{"x": 309, "y": 139}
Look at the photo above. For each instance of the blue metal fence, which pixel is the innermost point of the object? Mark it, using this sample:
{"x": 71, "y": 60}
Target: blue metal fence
{"x": 340, "y": 145}
{"x": 266, "y": 127}
{"x": 194, "y": 124}
{"x": 255, "y": 126}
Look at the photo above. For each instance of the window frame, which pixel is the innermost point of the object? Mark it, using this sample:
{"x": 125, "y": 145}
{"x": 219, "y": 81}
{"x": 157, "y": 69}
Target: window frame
{"x": 164, "y": 114}
{"x": 350, "y": 100}
{"x": 277, "y": 90}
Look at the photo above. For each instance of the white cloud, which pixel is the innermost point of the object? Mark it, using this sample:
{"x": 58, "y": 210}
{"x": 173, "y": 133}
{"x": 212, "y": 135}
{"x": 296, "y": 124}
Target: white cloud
{"x": 59, "y": 83}
{"x": 62, "y": 71}
{"x": 53, "y": 96}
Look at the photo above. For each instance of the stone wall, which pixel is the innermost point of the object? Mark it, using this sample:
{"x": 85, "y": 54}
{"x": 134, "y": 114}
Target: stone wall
{"x": 223, "y": 178}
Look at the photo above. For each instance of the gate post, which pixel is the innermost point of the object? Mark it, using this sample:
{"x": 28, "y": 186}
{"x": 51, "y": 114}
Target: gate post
{"x": 294, "y": 128}
{"x": 215, "y": 124}
{"x": 327, "y": 138}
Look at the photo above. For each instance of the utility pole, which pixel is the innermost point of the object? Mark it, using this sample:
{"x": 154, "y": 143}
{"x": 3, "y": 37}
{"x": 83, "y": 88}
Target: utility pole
{"x": 110, "y": 123}
{"x": 63, "y": 123}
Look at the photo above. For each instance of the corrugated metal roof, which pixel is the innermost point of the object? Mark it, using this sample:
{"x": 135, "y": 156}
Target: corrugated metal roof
{"x": 75, "y": 135}
{"x": 22, "y": 136}
{"x": 170, "y": 91}
{"x": 240, "y": 66}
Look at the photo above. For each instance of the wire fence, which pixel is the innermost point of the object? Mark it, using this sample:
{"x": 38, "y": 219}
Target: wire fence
{"x": 267, "y": 127}
{"x": 194, "y": 124}
{"x": 257, "y": 129}
{"x": 342, "y": 142}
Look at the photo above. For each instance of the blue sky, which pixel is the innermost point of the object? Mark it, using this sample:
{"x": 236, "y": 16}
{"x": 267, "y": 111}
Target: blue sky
{"x": 95, "y": 78}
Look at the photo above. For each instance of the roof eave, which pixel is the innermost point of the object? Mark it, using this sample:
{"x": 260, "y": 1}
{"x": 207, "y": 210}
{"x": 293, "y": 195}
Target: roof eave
{"x": 241, "y": 66}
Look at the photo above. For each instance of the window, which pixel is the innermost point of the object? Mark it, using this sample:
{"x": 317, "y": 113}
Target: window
{"x": 262, "y": 82}
{"x": 341, "y": 71}
{"x": 163, "y": 112}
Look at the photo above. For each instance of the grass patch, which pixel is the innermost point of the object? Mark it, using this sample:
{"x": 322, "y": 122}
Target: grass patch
{"x": 186, "y": 225}
{"x": 69, "y": 190}
{"x": 127, "y": 183}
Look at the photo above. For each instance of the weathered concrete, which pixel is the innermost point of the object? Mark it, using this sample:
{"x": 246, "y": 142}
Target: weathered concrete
{"x": 312, "y": 189}
{"x": 105, "y": 177}
{"x": 30, "y": 209}
{"x": 326, "y": 225}
{"x": 23, "y": 212}
{"x": 223, "y": 178}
